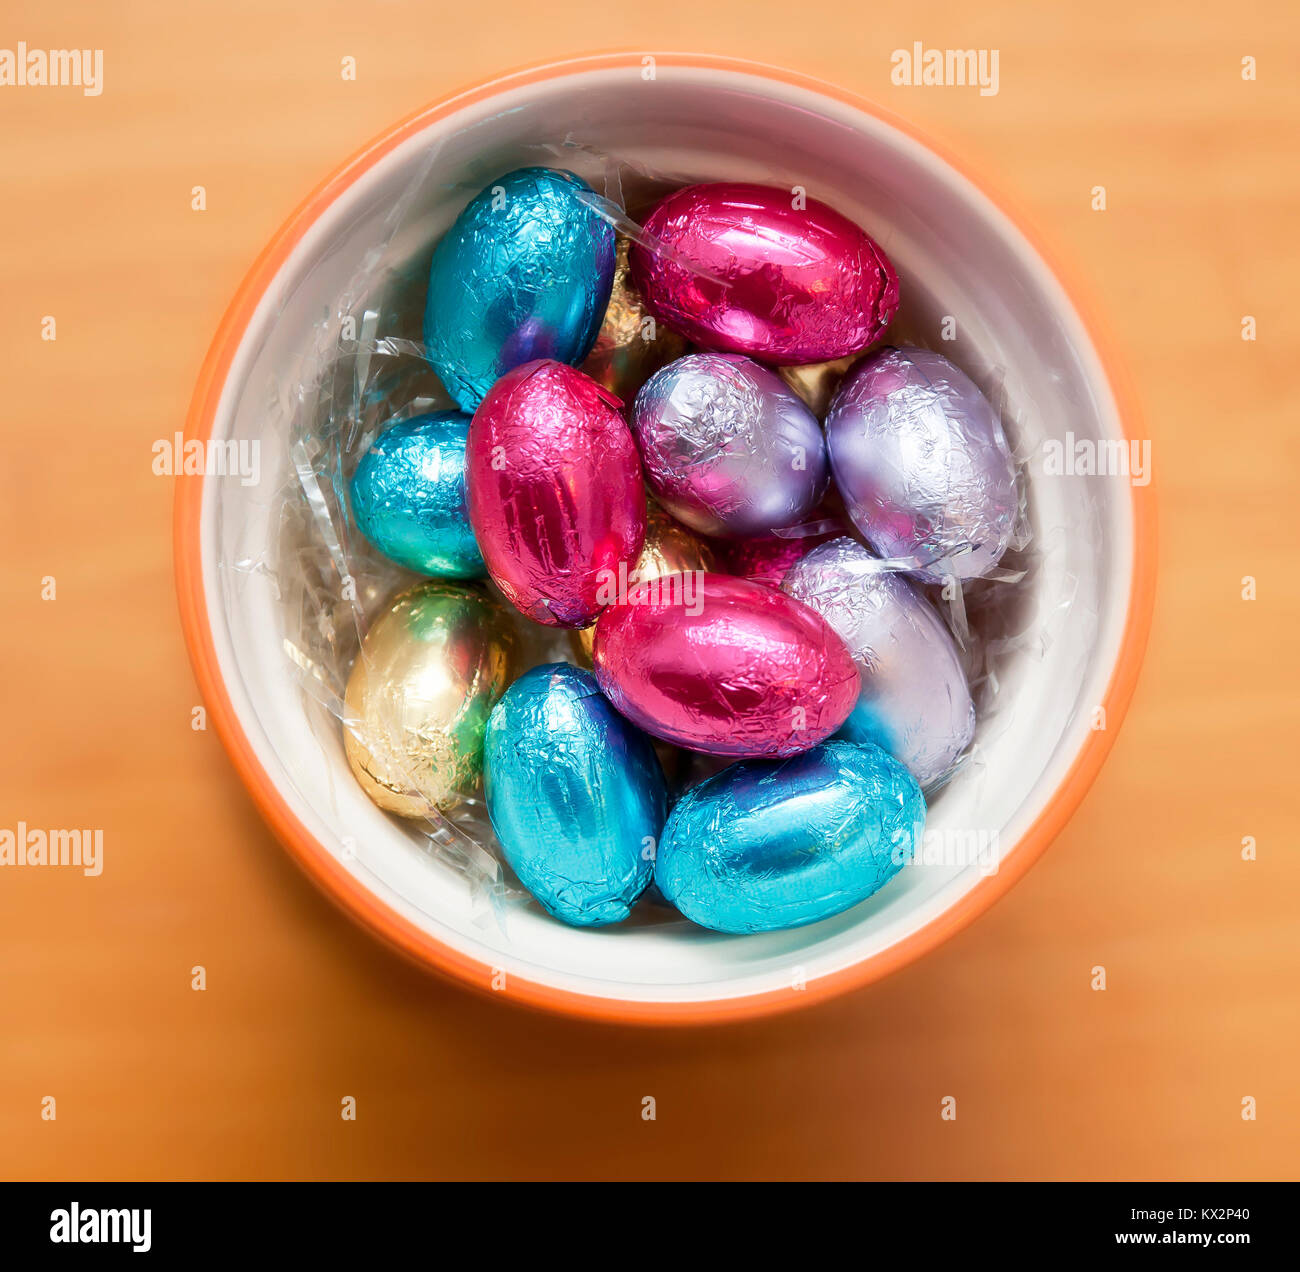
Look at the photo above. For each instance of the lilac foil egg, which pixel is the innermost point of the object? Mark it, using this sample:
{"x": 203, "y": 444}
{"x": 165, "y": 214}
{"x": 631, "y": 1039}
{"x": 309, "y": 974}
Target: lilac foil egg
{"x": 919, "y": 455}
{"x": 915, "y": 702}
{"x": 727, "y": 447}
{"x": 721, "y": 665}
{"x": 555, "y": 492}
{"x": 756, "y": 269}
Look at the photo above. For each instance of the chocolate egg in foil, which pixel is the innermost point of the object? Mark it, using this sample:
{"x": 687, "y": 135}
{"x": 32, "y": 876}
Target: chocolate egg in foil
{"x": 773, "y": 844}
{"x": 418, "y": 698}
{"x": 765, "y": 271}
{"x": 555, "y": 492}
{"x": 718, "y": 664}
{"x": 576, "y": 796}
{"x": 921, "y": 460}
{"x": 727, "y": 447}
{"x": 816, "y": 382}
{"x": 408, "y": 496}
{"x": 768, "y": 558}
{"x": 632, "y": 343}
{"x": 524, "y": 273}
{"x": 915, "y": 702}
{"x": 669, "y": 548}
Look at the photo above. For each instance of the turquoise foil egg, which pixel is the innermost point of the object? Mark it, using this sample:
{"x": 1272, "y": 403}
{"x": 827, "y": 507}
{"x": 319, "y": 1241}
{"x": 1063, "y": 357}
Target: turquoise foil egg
{"x": 575, "y": 794}
{"x": 408, "y": 496}
{"x": 524, "y": 272}
{"x": 772, "y": 844}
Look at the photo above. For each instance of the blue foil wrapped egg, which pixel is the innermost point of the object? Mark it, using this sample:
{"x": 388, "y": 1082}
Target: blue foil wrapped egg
{"x": 920, "y": 457}
{"x": 575, "y": 794}
{"x": 524, "y": 272}
{"x": 408, "y": 496}
{"x": 915, "y": 701}
{"x": 772, "y": 844}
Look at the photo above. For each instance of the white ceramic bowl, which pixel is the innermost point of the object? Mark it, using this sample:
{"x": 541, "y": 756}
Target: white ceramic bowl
{"x": 1082, "y": 611}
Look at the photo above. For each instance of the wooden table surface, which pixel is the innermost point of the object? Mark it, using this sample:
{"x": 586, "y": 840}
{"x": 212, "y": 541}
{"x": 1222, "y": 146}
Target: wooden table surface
{"x": 153, "y": 1079}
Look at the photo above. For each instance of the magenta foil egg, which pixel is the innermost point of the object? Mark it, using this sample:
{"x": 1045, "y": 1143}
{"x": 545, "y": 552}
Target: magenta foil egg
{"x": 767, "y": 559}
{"x": 721, "y": 665}
{"x": 555, "y": 493}
{"x": 727, "y": 447}
{"x": 919, "y": 456}
{"x": 765, "y": 271}
{"x": 764, "y": 560}
{"x": 915, "y": 701}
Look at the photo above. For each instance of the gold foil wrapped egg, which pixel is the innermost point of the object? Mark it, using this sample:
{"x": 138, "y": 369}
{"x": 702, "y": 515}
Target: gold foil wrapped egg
{"x": 632, "y": 344}
{"x": 418, "y": 699}
{"x": 670, "y": 548}
{"x": 816, "y": 382}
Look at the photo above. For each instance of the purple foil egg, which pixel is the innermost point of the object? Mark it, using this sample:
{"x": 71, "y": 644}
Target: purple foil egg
{"x": 915, "y": 702}
{"x": 761, "y": 270}
{"x": 923, "y": 464}
{"x": 727, "y": 447}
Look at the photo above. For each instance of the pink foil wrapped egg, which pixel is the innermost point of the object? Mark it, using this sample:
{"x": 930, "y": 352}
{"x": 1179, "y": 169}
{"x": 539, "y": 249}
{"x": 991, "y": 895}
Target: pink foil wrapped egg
{"x": 767, "y": 559}
{"x": 753, "y": 269}
{"x": 722, "y": 665}
{"x": 554, "y": 492}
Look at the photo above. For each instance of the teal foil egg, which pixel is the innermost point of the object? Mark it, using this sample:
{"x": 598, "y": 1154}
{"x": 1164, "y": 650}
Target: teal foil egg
{"x": 772, "y": 844}
{"x": 575, "y": 793}
{"x": 408, "y": 496}
{"x": 524, "y": 273}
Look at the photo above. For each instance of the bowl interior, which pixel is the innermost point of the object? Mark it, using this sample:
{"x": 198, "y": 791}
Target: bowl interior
{"x": 1013, "y": 330}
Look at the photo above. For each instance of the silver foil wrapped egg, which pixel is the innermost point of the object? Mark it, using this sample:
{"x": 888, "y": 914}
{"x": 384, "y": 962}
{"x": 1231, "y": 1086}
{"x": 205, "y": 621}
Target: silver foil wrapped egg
{"x": 727, "y": 447}
{"x": 919, "y": 455}
{"x": 915, "y": 702}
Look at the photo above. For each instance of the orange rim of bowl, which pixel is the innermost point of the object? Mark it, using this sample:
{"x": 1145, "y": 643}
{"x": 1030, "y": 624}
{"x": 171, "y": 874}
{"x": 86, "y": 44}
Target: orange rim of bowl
{"x": 394, "y": 928}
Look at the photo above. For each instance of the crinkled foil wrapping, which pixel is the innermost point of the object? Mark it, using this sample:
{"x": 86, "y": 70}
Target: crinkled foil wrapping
{"x": 420, "y": 693}
{"x": 921, "y": 460}
{"x": 631, "y": 344}
{"x": 767, "y": 558}
{"x": 555, "y": 491}
{"x": 669, "y": 548}
{"x": 770, "y": 844}
{"x": 721, "y": 665}
{"x": 524, "y": 273}
{"x": 575, "y": 793}
{"x": 914, "y": 699}
{"x": 362, "y": 364}
{"x": 408, "y": 496}
{"x": 816, "y": 382}
{"x": 757, "y": 271}
{"x": 727, "y": 447}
